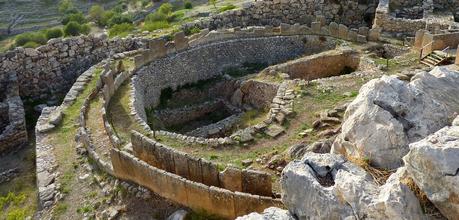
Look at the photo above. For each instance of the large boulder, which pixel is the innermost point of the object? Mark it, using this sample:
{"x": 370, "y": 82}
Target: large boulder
{"x": 433, "y": 163}
{"x": 271, "y": 213}
{"x": 389, "y": 114}
{"x": 327, "y": 186}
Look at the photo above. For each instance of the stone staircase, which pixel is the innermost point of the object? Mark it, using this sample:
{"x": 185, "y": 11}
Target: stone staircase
{"x": 434, "y": 58}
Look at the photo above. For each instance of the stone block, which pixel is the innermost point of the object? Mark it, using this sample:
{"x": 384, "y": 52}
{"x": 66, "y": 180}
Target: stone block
{"x": 375, "y": 34}
{"x": 210, "y": 175}
{"x": 198, "y": 196}
{"x": 157, "y": 47}
{"x": 231, "y": 179}
{"x": 418, "y": 39}
{"x": 363, "y": 31}
{"x": 256, "y": 182}
{"x": 457, "y": 56}
{"x": 321, "y": 19}
{"x": 285, "y": 28}
{"x": 166, "y": 159}
{"x": 343, "y": 32}
{"x": 352, "y": 36}
{"x": 334, "y": 29}
{"x": 181, "y": 164}
{"x": 325, "y": 31}
{"x": 181, "y": 41}
{"x": 175, "y": 188}
{"x": 194, "y": 169}
{"x": 361, "y": 38}
{"x": 222, "y": 202}
{"x": 316, "y": 27}
{"x": 138, "y": 61}
{"x": 244, "y": 203}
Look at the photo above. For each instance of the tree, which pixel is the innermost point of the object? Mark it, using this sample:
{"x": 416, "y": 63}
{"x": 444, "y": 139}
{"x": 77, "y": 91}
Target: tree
{"x": 214, "y": 3}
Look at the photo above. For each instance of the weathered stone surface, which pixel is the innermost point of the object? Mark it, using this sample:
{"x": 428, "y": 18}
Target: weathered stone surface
{"x": 433, "y": 163}
{"x": 326, "y": 186}
{"x": 271, "y": 213}
{"x": 274, "y": 130}
{"x": 388, "y": 114}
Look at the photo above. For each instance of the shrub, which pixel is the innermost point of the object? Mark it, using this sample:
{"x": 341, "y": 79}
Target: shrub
{"x": 54, "y": 33}
{"x": 157, "y": 16}
{"x": 155, "y": 25}
{"x": 176, "y": 16}
{"x": 95, "y": 13}
{"x": 106, "y": 16}
{"x": 188, "y": 5}
{"x": 65, "y": 6}
{"x": 121, "y": 29}
{"x": 165, "y": 8}
{"x": 226, "y": 8}
{"x": 74, "y": 29}
{"x": 119, "y": 19}
{"x": 77, "y": 17}
{"x": 193, "y": 30}
{"x": 34, "y": 37}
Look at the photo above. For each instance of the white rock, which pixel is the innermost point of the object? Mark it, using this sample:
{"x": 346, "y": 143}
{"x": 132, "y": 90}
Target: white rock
{"x": 271, "y": 213}
{"x": 388, "y": 114}
{"x": 433, "y": 163}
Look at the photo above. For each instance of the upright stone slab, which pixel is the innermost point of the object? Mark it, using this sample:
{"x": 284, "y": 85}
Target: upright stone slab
{"x": 457, "y": 56}
{"x": 352, "y": 36}
{"x": 361, "y": 38}
{"x": 181, "y": 41}
{"x": 198, "y": 196}
{"x": 363, "y": 31}
{"x": 418, "y": 39}
{"x": 181, "y": 164}
{"x": 256, "y": 182}
{"x": 334, "y": 29}
{"x": 194, "y": 169}
{"x": 375, "y": 34}
{"x": 231, "y": 179}
{"x": 343, "y": 31}
{"x": 222, "y": 202}
{"x": 321, "y": 19}
{"x": 209, "y": 173}
{"x": 285, "y": 28}
{"x": 315, "y": 26}
{"x": 157, "y": 47}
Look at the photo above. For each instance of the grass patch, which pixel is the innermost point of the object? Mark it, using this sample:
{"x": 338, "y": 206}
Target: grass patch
{"x": 62, "y": 137}
{"x": 226, "y": 8}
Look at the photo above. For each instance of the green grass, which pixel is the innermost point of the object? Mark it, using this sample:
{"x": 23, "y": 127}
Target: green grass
{"x": 62, "y": 137}
{"x": 226, "y": 8}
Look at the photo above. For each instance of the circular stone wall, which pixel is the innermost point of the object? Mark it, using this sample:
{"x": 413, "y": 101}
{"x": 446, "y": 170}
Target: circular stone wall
{"x": 208, "y": 61}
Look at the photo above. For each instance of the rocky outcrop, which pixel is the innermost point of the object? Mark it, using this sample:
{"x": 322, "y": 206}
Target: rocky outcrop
{"x": 271, "y": 213}
{"x": 389, "y": 114}
{"x": 327, "y": 186}
{"x": 433, "y": 163}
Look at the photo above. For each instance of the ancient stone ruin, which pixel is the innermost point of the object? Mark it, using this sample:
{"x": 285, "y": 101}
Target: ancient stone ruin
{"x": 279, "y": 110}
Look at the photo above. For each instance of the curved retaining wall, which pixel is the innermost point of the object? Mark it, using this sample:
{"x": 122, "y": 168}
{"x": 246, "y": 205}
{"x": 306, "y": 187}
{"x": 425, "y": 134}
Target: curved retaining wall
{"x": 208, "y": 61}
{"x": 192, "y": 194}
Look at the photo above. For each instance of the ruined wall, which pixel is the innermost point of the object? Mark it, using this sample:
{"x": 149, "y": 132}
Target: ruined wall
{"x": 198, "y": 169}
{"x": 50, "y": 70}
{"x": 255, "y": 93}
{"x": 325, "y": 64}
{"x": 197, "y": 196}
{"x": 352, "y": 13}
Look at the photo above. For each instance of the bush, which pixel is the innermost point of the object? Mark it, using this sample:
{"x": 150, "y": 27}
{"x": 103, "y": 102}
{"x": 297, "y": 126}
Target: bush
{"x": 121, "y": 30}
{"x": 176, "y": 16}
{"x": 193, "y": 30}
{"x": 65, "y": 6}
{"x": 35, "y": 37}
{"x": 157, "y": 16}
{"x": 119, "y": 19}
{"x": 95, "y": 13}
{"x": 188, "y": 5}
{"x": 77, "y": 17}
{"x": 165, "y": 8}
{"x": 74, "y": 29}
{"x": 226, "y": 8}
{"x": 155, "y": 25}
{"x": 54, "y": 33}
{"x": 106, "y": 16}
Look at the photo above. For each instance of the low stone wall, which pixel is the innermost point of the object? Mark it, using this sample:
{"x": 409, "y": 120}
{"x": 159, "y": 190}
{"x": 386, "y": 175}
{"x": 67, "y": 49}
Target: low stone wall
{"x": 274, "y": 12}
{"x": 385, "y": 20}
{"x": 13, "y": 131}
{"x": 325, "y": 64}
{"x": 49, "y": 70}
{"x": 197, "y": 196}
{"x": 255, "y": 93}
{"x": 199, "y": 170}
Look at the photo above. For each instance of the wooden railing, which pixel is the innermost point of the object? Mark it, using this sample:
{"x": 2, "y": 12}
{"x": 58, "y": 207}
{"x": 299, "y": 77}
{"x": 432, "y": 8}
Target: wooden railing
{"x": 426, "y": 50}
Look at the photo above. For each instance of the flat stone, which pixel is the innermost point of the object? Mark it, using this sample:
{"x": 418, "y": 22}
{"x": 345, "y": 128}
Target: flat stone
{"x": 274, "y": 130}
